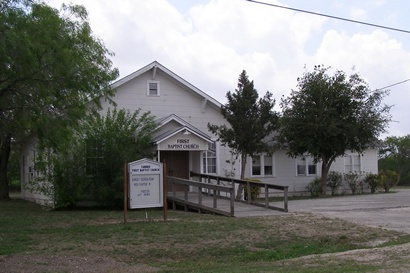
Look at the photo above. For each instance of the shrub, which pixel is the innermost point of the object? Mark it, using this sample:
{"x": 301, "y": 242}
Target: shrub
{"x": 89, "y": 167}
{"x": 373, "y": 181}
{"x": 255, "y": 190}
{"x": 314, "y": 187}
{"x": 334, "y": 180}
{"x": 354, "y": 181}
{"x": 388, "y": 179}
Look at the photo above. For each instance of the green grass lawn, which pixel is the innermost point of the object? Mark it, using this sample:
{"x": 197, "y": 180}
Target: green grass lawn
{"x": 188, "y": 242}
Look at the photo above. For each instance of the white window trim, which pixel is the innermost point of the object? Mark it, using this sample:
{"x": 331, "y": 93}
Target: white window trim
{"x": 306, "y": 167}
{"x": 217, "y": 153}
{"x": 349, "y": 156}
{"x": 204, "y": 165}
{"x": 262, "y": 161}
{"x": 158, "y": 88}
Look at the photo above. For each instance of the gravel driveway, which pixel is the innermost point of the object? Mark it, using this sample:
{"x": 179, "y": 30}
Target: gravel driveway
{"x": 389, "y": 211}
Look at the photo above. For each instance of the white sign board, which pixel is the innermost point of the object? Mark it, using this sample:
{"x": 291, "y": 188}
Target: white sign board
{"x": 145, "y": 184}
{"x": 181, "y": 142}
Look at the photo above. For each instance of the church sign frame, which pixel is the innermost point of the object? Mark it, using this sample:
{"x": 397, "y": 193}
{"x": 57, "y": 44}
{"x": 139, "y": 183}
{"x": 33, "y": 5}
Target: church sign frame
{"x": 146, "y": 184}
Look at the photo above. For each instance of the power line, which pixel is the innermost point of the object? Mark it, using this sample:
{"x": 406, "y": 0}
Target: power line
{"x": 329, "y": 16}
{"x": 394, "y": 84}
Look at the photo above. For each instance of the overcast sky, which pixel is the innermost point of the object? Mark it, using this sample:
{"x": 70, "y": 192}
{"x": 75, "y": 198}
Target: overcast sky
{"x": 209, "y": 42}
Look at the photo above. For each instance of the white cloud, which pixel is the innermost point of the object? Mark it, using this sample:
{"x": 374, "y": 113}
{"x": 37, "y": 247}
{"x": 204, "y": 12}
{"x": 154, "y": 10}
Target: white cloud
{"x": 380, "y": 60}
{"x": 211, "y": 43}
{"x": 373, "y": 55}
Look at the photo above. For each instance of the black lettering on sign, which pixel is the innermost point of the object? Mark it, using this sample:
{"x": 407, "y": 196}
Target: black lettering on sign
{"x": 147, "y": 178}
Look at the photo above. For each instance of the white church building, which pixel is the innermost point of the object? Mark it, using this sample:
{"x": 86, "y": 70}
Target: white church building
{"x": 183, "y": 140}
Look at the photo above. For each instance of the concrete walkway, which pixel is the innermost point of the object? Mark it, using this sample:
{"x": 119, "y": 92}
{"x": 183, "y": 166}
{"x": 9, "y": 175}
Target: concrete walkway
{"x": 389, "y": 211}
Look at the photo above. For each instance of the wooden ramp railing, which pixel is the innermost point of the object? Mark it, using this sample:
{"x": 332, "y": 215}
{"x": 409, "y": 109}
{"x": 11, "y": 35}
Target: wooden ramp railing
{"x": 197, "y": 194}
{"x": 215, "y": 189}
{"x": 218, "y": 180}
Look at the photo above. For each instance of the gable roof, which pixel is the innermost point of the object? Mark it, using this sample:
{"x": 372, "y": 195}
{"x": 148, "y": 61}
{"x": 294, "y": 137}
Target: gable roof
{"x": 156, "y": 65}
{"x": 185, "y": 126}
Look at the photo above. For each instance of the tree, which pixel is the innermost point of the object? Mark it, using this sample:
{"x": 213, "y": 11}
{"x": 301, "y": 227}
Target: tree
{"x": 397, "y": 151}
{"x": 329, "y": 115}
{"x": 52, "y": 70}
{"x": 388, "y": 179}
{"x": 251, "y": 119}
{"x": 89, "y": 166}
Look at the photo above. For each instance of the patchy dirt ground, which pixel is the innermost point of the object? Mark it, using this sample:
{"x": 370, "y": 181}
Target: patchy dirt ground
{"x": 306, "y": 220}
{"x": 392, "y": 259}
{"x": 45, "y": 263}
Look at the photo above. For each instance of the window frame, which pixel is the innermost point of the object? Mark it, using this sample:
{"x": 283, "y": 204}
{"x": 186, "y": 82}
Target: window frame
{"x": 349, "y": 159}
{"x": 209, "y": 161}
{"x": 94, "y": 155}
{"x": 308, "y": 162}
{"x": 262, "y": 166}
{"x": 149, "y": 88}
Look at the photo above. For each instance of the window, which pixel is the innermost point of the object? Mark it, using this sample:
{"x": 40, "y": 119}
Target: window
{"x": 94, "y": 157}
{"x": 262, "y": 165}
{"x": 209, "y": 162}
{"x": 256, "y": 165}
{"x": 268, "y": 165}
{"x": 352, "y": 163}
{"x": 209, "y": 159}
{"x": 305, "y": 166}
{"x": 153, "y": 88}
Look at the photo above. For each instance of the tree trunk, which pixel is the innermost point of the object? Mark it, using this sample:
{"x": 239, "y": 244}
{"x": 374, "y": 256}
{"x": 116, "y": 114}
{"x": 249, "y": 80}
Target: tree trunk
{"x": 241, "y": 187}
{"x": 325, "y": 171}
{"x": 4, "y": 160}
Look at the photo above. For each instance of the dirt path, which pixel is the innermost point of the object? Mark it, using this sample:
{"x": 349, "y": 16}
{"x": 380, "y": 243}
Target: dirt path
{"x": 393, "y": 259}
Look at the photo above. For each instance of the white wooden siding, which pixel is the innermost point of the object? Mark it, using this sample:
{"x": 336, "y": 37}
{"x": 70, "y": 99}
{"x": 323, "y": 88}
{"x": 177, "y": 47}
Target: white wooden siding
{"x": 176, "y": 99}
{"x": 196, "y": 108}
{"x": 27, "y": 172}
{"x": 285, "y": 170}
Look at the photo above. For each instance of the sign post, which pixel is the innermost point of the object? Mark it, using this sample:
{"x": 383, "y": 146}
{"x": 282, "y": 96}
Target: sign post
{"x": 125, "y": 191}
{"x": 145, "y": 184}
{"x": 165, "y": 190}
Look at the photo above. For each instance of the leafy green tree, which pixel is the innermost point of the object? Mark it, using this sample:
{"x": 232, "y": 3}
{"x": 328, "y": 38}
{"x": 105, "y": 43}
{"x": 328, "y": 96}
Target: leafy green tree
{"x": 90, "y": 165}
{"x": 388, "y": 179}
{"x": 251, "y": 120}
{"x": 396, "y": 150}
{"x": 52, "y": 70}
{"x": 329, "y": 115}
{"x": 110, "y": 140}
